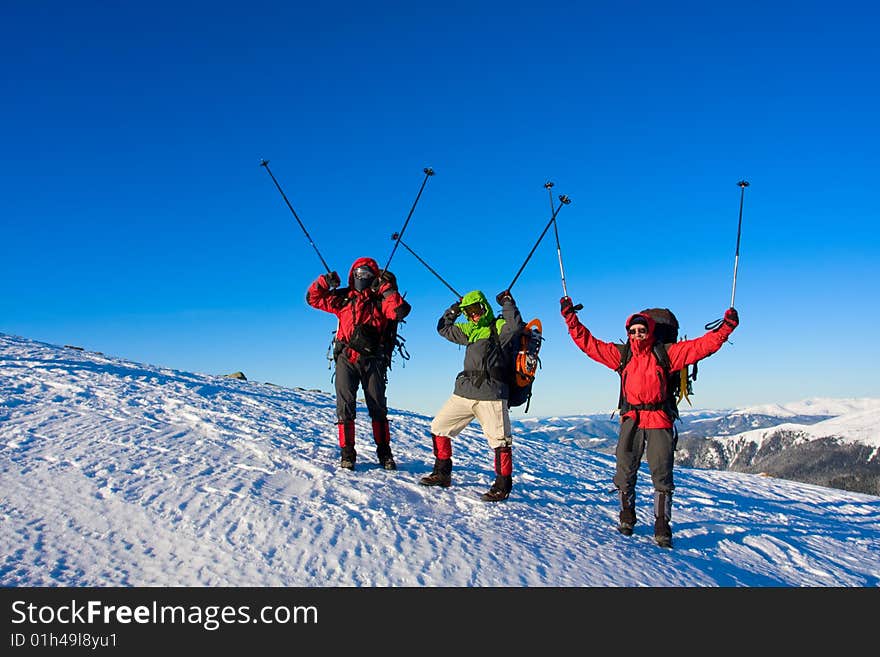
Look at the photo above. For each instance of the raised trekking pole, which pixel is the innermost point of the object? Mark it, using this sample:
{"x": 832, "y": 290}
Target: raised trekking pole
{"x": 265, "y": 163}
{"x": 742, "y": 185}
{"x": 428, "y": 173}
{"x": 396, "y": 237}
{"x": 564, "y": 200}
{"x": 549, "y": 186}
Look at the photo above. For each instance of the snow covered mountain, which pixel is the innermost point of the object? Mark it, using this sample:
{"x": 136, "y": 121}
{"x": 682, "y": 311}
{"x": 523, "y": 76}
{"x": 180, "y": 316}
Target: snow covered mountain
{"x": 828, "y": 442}
{"x": 116, "y": 473}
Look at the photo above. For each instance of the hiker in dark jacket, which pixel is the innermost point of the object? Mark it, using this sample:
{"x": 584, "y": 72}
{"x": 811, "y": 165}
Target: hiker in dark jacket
{"x": 644, "y": 424}
{"x": 361, "y": 353}
{"x": 481, "y": 389}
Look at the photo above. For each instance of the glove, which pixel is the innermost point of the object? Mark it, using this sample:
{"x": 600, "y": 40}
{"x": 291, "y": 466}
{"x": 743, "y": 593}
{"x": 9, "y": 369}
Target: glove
{"x": 453, "y": 311}
{"x": 567, "y": 307}
{"x": 331, "y": 279}
{"x": 504, "y": 297}
{"x": 386, "y": 283}
{"x": 731, "y": 318}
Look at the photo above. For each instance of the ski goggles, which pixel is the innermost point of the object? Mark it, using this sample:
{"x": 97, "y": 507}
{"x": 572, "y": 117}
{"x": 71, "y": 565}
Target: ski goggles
{"x": 363, "y": 273}
{"x": 473, "y": 310}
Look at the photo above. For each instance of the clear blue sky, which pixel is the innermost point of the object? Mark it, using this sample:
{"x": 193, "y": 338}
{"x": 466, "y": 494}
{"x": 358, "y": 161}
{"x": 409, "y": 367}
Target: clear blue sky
{"x": 137, "y": 221}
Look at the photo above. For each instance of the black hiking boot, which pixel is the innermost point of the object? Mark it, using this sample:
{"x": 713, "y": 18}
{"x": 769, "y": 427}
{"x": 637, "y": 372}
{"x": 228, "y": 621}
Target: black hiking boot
{"x": 662, "y": 533}
{"x": 385, "y": 458}
{"x": 348, "y": 459}
{"x": 627, "y": 513}
{"x": 436, "y": 479}
{"x": 500, "y": 489}
{"x": 627, "y": 522}
{"x": 441, "y": 475}
{"x": 663, "y": 513}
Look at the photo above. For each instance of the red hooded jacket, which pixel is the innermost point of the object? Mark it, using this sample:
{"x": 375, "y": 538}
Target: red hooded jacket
{"x": 373, "y": 307}
{"x": 643, "y": 380}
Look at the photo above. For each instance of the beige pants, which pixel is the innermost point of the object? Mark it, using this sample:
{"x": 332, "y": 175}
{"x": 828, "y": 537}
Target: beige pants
{"x": 493, "y": 416}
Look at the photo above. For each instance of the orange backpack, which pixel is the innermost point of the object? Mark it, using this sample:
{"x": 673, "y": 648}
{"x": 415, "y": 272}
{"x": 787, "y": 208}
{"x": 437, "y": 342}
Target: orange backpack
{"x": 526, "y": 365}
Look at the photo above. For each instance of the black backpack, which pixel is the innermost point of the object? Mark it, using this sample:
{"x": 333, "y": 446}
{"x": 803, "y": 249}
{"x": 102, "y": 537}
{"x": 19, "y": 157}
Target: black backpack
{"x": 392, "y": 342}
{"x": 371, "y": 343}
{"x": 679, "y": 383}
{"x": 523, "y": 364}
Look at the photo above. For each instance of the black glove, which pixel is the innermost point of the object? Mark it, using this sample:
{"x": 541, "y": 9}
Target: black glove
{"x": 731, "y": 317}
{"x": 385, "y": 283}
{"x": 453, "y": 311}
{"x": 567, "y": 307}
{"x": 332, "y": 279}
{"x": 388, "y": 277}
{"x": 504, "y": 297}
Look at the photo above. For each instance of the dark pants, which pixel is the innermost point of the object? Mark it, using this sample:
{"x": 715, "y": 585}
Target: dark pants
{"x": 370, "y": 375}
{"x": 634, "y": 442}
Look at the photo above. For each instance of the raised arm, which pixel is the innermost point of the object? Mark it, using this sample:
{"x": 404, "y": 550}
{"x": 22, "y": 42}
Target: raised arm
{"x": 605, "y": 353}
{"x": 447, "y": 327}
{"x": 687, "y": 352}
{"x": 323, "y": 295}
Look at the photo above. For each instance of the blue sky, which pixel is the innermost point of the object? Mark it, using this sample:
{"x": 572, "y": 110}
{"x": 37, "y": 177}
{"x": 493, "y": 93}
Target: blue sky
{"x": 137, "y": 221}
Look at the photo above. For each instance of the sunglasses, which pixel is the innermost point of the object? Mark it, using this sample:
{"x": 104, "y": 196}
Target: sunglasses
{"x": 473, "y": 310}
{"x": 638, "y": 331}
{"x": 363, "y": 274}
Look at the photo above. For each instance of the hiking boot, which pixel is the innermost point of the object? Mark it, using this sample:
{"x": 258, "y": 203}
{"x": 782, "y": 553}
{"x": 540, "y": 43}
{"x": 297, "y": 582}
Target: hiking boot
{"x": 627, "y": 513}
{"x": 436, "y": 479}
{"x": 385, "y": 458}
{"x": 500, "y": 489}
{"x": 627, "y": 522}
{"x": 348, "y": 459}
{"x": 662, "y": 532}
{"x": 441, "y": 475}
{"x": 663, "y": 513}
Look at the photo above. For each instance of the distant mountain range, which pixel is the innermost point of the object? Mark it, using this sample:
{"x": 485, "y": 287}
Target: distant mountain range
{"x": 827, "y": 442}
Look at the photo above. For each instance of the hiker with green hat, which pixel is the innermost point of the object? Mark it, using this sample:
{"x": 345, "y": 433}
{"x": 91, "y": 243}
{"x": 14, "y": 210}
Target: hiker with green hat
{"x": 481, "y": 389}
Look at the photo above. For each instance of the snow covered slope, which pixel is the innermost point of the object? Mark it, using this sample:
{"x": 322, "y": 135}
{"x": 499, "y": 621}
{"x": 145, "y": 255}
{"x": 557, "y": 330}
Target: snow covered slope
{"x": 117, "y": 473}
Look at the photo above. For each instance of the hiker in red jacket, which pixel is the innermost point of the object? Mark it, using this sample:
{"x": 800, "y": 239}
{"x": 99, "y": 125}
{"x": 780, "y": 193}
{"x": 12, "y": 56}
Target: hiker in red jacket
{"x": 645, "y": 424}
{"x": 362, "y": 348}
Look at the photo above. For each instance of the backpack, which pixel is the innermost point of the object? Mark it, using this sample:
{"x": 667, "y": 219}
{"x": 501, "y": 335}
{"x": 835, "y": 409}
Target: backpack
{"x": 393, "y": 342}
{"x": 524, "y": 364}
{"x": 369, "y": 342}
{"x": 678, "y": 383}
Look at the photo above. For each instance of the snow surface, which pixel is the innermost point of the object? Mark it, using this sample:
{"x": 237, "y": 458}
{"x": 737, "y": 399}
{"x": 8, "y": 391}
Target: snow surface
{"x": 814, "y": 406}
{"x": 852, "y": 427}
{"x": 116, "y": 473}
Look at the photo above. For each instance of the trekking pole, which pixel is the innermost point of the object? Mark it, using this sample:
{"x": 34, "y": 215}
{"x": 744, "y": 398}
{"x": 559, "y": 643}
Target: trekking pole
{"x": 396, "y": 236}
{"x": 265, "y": 163}
{"x": 564, "y": 201}
{"x": 549, "y": 186}
{"x": 742, "y": 185}
{"x": 428, "y": 173}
